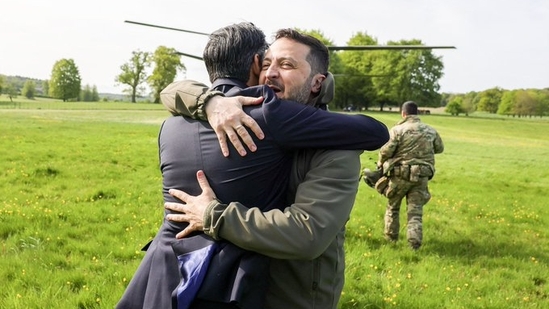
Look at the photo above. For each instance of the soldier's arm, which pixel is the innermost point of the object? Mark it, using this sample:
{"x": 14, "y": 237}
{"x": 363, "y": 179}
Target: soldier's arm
{"x": 438, "y": 145}
{"x": 386, "y": 151}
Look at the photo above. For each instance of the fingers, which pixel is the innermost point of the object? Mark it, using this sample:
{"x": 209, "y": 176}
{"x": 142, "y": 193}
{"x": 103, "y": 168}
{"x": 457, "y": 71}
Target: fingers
{"x": 235, "y": 140}
{"x": 179, "y": 194}
{"x": 230, "y": 122}
{"x": 223, "y": 143}
{"x": 239, "y": 135}
{"x": 249, "y": 100}
{"x": 177, "y": 217}
{"x": 175, "y": 207}
{"x": 252, "y": 124}
{"x": 245, "y": 137}
{"x": 249, "y": 121}
{"x": 188, "y": 230}
{"x": 182, "y": 218}
{"x": 203, "y": 181}
{"x": 191, "y": 227}
{"x": 183, "y": 233}
{"x": 207, "y": 190}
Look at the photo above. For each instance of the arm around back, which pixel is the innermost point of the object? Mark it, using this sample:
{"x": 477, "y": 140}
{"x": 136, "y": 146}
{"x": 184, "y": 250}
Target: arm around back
{"x": 323, "y": 202}
{"x": 296, "y": 125}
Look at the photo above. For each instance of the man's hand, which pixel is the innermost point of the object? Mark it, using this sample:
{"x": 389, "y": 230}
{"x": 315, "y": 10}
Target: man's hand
{"x": 226, "y": 117}
{"x": 193, "y": 209}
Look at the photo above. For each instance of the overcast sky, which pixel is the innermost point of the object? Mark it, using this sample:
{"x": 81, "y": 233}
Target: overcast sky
{"x": 499, "y": 43}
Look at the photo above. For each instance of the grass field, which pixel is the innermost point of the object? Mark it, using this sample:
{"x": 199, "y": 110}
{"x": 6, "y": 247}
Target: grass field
{"x": 80, "y": 195}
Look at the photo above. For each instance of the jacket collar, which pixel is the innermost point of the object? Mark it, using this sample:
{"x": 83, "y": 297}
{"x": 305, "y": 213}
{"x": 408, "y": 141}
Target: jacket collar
{"x": 225, "y": 84}
{"x": 409, "y": 118}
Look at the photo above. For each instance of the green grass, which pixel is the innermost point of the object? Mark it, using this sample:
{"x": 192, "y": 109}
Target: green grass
{"x": 80, "y": 195}
{"x": 49, "y": 103}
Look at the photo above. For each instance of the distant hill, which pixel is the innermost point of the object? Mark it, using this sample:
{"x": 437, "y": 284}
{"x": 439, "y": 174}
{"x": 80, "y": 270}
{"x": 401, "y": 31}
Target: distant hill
{"x": 19, "y": 81}
{"x": 122, "y": 97}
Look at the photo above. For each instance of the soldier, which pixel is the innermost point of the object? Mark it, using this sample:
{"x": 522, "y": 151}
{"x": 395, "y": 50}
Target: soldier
{"x": 408, "y": 161}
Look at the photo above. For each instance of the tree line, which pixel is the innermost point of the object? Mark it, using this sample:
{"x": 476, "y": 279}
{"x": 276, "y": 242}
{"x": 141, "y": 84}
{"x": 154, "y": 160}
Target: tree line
{"x": 516, "y": 103}
{"x": 65, "y": 84}
{"x": 379, "y": 78}
{"x": 364, "y": 79}
{"x": 65, "y": 80}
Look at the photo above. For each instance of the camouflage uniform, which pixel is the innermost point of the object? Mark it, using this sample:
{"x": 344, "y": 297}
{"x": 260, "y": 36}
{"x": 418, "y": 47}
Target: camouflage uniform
{"x": 409, "y": 160}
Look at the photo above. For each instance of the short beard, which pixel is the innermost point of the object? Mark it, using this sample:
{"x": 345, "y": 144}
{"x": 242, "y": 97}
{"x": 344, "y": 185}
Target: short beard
{"x": 301, "y": 94}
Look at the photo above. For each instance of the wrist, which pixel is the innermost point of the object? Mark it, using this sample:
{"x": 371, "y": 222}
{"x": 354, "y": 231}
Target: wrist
{"x": 203, "y": 101}
{"x": 207, "y": 215}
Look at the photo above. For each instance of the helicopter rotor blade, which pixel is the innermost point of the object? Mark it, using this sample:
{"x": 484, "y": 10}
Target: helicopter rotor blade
{"x": 388, "y": 47}
{"x": 361, "y": 75}
{"x": 168, "y": 28}
{"x": 333, "y": 48}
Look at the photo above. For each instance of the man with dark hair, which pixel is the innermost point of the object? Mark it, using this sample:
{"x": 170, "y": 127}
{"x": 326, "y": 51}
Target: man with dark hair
{"x": 408, "y": 158}
{"x": 218, "y": 274}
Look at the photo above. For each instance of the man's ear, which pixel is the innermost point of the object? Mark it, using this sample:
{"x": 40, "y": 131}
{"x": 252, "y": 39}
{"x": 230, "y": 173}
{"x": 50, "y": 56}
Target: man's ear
{"x": 256, "y": 66}
{"x": 255, "y": 70}
{"x": 317, "y": 83}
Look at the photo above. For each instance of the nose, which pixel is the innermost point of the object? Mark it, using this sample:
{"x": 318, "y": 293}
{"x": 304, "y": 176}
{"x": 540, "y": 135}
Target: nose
{"x": 272, "y": 71}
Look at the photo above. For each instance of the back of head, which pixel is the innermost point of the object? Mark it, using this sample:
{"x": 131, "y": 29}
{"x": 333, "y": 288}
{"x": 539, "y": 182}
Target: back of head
{"x": 409, "y": 108}
{"x": 319, "y": 56}
{"x": 230, "y": 51}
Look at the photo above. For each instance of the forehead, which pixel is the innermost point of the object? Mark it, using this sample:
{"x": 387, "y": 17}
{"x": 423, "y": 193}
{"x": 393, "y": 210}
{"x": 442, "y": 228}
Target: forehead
{"x": 285, "y": 48}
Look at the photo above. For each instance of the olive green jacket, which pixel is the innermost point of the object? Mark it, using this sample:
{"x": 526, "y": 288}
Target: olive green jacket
{"x": 305, "y": 239}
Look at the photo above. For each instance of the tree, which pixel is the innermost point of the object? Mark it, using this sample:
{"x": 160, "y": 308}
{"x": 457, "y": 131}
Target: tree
{"x": 507, "y": 103}
{"x": 469, "y": 103}
{"x": 29, "y": 89}
{"x": 85, "y": 94}
{"x": 45, "y": 87}
{"x": 454, "y": 105}
{"x": 134, "y": 73}
{"x": 65, "y": 80}
{"x": 525, "y": 105}
{"x": 11, "y": 91}
{"x": 413, "y": 75}
{"x": 542, "y": 98}
{"x": 89, "y": 94}
{"x": 490, "y": 100}
{"x": 386, "y": 67}
{"x": 354, "y": 87}
{"x": 167, "y": 64}
{"x": 1, "y": 83}
{"x": 95, "y": 94}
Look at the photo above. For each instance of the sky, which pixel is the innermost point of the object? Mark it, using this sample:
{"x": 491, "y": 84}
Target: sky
{"x": 499, "y": 43}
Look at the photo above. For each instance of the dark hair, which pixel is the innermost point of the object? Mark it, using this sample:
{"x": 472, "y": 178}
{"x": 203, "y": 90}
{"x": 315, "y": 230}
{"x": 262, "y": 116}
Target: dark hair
{"x": 318, "y": 58}
{"x": 409, "y": 108}
{"x": 230, "y": 51}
